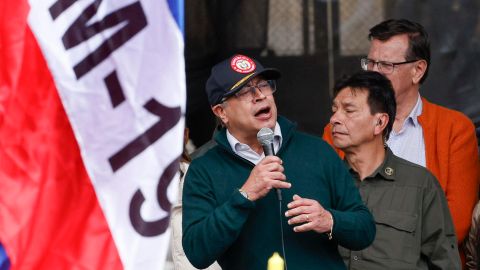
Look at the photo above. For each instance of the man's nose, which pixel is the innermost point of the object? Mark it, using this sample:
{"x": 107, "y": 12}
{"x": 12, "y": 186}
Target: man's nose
{"x": 257, "y": 94}
{"x": 334, "y": 119}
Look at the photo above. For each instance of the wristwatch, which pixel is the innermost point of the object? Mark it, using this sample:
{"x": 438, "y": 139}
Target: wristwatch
{"x": 244, "y": 194}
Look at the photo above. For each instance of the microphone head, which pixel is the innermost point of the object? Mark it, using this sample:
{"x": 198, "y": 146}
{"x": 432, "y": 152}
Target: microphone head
{"x": 265, "y": 136}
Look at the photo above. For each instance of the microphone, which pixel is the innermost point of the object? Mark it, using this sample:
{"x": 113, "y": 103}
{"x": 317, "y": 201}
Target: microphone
{"x": 265, "y": 138}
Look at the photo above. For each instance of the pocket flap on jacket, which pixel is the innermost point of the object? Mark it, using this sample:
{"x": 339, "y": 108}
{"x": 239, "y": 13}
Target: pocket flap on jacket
{"x": 398, "y": 220}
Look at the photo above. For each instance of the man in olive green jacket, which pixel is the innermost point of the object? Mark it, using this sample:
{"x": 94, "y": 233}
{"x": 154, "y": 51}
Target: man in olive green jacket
{"x": 414, "y": 226}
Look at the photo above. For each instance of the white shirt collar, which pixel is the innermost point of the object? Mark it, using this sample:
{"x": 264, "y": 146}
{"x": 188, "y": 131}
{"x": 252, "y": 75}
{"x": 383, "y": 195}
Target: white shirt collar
{"x": 416, "y": 111}
{"x": 247, "y": 152}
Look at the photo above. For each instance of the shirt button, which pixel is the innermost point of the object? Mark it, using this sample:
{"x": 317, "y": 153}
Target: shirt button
{"x": 355, "y": 258}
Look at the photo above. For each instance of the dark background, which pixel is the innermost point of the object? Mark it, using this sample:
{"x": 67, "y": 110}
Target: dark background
{"x": 315, "y": 42}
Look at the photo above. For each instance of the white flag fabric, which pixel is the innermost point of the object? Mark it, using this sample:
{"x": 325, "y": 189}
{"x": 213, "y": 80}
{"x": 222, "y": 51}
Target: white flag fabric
{"x": 119, "y": 68}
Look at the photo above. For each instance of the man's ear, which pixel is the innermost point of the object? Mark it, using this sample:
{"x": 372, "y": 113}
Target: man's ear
{"x": 381, "y": 124}
{"x": 219, "y": 111}
{"x": 419, "y": 70}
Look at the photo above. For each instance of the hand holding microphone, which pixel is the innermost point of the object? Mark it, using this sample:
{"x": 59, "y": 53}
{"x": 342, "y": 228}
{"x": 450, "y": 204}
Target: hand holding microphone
{"x": 268, "y": 173}
{"x": 265, "y": 137}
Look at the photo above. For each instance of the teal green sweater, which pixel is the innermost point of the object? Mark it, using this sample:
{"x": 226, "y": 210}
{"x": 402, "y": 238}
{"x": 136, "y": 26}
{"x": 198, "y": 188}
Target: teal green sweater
{"x": 220, "y": 224}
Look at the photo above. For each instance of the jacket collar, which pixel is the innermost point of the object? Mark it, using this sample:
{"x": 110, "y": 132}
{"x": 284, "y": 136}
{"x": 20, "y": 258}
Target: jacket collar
{"x": 387, "y": 170}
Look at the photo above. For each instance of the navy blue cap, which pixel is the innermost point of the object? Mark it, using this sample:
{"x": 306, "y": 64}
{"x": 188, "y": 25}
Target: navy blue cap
{"x": 230, "y": 75}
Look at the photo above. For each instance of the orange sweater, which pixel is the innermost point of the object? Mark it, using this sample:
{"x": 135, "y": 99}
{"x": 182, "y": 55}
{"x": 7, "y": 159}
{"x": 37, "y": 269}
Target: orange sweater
{"x": 452, "y": 156}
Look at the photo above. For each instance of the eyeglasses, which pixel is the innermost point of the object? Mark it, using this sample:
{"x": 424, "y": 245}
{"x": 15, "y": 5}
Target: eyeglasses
{"x": 248, "y": 93}
{"x": 383, "y": 66}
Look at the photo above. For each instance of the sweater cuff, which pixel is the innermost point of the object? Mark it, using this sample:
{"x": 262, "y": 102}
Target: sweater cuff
{"x": 240, "y": 201}
{"x": 337, "y": 220}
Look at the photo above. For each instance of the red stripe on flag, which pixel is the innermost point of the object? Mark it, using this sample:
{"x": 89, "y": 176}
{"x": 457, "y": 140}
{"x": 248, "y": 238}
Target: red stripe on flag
{"x": 49, "y": 215}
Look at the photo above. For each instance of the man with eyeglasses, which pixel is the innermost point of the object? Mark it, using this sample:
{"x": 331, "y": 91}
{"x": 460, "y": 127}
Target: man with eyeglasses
{"x": 440, "y": 139}
{"x": 231, "y": 214}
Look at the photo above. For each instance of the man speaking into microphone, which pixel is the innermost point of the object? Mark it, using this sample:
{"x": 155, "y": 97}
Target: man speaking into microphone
{"x": 231, "y": 214}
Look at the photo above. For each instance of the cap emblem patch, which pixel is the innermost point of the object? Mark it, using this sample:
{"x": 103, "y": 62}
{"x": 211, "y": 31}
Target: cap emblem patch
{"x": 242, "y": 64}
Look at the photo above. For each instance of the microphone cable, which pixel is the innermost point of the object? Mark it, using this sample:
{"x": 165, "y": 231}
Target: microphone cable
{"x": 281, "y": 228}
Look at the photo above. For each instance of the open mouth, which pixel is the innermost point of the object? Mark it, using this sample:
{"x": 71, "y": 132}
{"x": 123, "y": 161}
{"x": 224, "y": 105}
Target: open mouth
{"x": 265, "y": 111}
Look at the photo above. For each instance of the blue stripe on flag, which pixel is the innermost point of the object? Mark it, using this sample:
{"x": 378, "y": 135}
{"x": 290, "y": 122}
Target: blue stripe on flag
{"x": 4, "y": 260}
{"x": 177, "y": 9}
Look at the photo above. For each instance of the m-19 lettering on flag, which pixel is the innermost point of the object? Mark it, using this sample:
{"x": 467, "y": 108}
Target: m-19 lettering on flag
{"x": 118, "y": 68}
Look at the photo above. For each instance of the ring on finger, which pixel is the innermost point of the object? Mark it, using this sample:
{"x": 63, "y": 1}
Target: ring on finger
{"x": 308, "y": 218}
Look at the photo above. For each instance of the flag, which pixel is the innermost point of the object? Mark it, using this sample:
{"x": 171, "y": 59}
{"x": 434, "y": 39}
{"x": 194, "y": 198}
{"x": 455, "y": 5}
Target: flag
{"x": 4, "y": 261}
{"x": 92, "y": 102}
